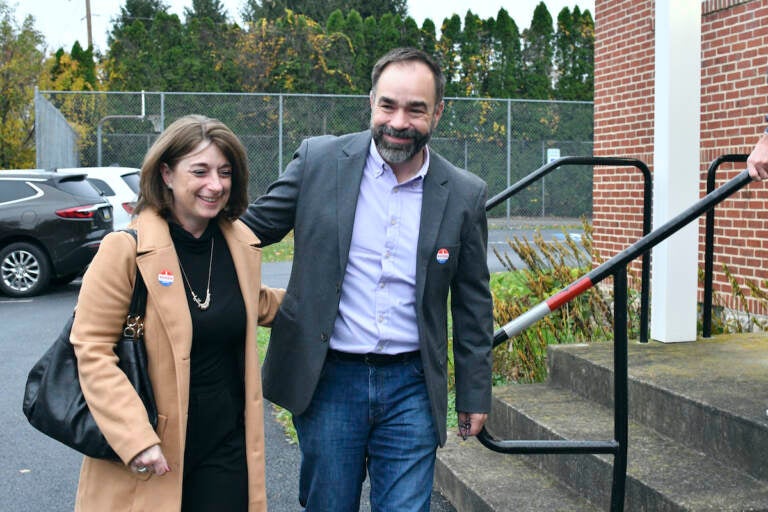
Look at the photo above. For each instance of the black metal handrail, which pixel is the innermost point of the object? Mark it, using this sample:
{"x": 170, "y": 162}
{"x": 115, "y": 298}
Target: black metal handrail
{"x": 709, "y": 243}
{"x": 647, "y": 205}
{"x": 616, "y": 266}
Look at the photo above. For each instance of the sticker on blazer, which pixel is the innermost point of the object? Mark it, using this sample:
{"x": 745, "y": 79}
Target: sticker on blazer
{"x": 442, "y": 255}
{"x": 165, "y": 278}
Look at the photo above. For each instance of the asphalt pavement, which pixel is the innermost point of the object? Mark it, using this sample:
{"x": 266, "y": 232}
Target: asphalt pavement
{"x": 39, "y": 474}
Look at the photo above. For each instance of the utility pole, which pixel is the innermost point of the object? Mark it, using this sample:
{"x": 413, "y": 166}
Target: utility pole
{"x": 88, "y": 22}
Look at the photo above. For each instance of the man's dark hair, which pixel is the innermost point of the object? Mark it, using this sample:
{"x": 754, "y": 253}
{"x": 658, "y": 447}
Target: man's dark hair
{"x": 410, "y": 55}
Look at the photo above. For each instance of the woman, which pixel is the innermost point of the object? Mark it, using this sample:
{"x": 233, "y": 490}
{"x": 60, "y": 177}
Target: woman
{"x": 205, "y": 299}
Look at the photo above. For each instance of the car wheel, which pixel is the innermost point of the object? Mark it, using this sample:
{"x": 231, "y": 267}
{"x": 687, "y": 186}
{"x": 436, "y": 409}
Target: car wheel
{"x": 24, "y": 270}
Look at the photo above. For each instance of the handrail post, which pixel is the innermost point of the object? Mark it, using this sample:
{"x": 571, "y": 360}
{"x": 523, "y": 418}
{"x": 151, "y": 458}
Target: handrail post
{"x": 621, "y": 387}
{"x": 542, "y": 171}
{"x": 709, "y": 243}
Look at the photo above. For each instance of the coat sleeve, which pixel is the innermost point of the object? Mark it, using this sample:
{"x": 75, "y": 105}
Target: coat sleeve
{"x": 472, "y": 312}
{"x": 102, "y": 305}
{"x": 269, "y": 303}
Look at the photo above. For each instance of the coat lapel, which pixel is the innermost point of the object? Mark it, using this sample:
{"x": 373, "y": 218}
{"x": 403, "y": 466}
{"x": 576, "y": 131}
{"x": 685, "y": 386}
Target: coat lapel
{"x": 157, "y": 257}
{"x": 433, "y": 204}
{"x": 349, "y": 174}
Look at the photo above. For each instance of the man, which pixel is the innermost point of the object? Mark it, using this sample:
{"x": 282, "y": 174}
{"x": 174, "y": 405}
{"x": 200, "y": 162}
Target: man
{"x": 757, "y": 163}
{"x": 384, "y": 228}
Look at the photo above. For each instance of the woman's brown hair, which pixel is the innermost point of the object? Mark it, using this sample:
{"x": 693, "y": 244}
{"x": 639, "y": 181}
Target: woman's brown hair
{"x": 177, "y": 141}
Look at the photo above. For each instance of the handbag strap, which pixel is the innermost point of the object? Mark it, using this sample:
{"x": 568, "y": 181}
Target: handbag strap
{"x": 139, "y": 297}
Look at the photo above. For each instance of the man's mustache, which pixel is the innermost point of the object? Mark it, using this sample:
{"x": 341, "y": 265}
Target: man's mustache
{"x": 400, "y": 134}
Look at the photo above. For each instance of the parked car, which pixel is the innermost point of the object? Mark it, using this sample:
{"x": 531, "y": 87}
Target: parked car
{"x": 119, "y": 185}
{"x": 50, "y": 228}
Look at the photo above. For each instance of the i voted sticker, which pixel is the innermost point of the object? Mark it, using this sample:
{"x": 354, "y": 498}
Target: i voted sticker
{"x": 442, "y": 255}
{"x": 165, "y": 278}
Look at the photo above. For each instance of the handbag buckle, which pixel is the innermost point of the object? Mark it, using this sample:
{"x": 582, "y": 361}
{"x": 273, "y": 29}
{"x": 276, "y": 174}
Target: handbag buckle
{"x": 134, "y": 327}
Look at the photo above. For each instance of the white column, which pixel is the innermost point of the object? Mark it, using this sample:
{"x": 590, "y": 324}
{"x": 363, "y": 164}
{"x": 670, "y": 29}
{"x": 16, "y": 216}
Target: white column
{"x": 676, "y": 167}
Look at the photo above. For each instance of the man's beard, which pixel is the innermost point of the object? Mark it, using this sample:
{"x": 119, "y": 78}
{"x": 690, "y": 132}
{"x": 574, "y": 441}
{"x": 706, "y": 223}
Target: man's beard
{"x": 399, "y": 153}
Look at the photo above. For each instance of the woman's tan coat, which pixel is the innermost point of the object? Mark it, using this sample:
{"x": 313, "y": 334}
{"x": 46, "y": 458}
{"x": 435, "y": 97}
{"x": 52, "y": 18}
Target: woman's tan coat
{"x": 102, "y": 305}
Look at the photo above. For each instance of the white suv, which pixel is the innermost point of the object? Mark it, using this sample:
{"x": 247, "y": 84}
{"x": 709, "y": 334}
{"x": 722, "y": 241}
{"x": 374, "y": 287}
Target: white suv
{"x": 118, "y": 185}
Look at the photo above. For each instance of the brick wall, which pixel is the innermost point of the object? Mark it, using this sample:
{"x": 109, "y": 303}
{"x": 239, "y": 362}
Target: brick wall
{"x": 733, "y": 103}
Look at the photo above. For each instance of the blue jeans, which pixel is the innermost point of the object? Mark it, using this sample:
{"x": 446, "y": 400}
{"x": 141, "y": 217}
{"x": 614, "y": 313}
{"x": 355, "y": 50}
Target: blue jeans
{"x": 364, "y": 416}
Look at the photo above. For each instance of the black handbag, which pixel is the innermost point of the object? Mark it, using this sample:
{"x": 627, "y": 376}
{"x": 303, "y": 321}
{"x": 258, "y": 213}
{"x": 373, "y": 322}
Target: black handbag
{"x": 53, "y": 400}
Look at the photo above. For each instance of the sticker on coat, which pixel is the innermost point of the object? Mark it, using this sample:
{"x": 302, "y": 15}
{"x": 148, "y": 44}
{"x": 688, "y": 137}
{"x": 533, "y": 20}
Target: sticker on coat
{"x": 165, "y": 278}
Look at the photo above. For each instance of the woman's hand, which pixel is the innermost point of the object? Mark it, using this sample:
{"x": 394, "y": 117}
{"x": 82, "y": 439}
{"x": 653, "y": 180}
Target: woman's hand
{"x": 150, "y": 460}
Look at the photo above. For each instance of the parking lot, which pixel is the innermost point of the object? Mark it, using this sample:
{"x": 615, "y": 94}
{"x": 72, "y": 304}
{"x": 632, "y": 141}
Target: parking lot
{"x": 41, "y": 474}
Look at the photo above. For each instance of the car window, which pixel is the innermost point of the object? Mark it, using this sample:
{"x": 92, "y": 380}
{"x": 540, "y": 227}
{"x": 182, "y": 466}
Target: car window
{"x": 78, "y": 186}
{"x": 102, "y": 186}
{"x": 132, "y": 180}
{"x": 13, "y": 190}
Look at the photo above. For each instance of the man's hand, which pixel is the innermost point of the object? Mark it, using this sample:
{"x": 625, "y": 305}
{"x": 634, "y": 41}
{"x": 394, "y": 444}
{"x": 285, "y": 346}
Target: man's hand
{"x": 471, "y": 423}
{"x": 757, "y": 163}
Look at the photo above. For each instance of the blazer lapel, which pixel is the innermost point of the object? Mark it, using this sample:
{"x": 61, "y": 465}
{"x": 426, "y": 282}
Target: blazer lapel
{"x": 433, "y": 204}
{"x": 349, "y": 174}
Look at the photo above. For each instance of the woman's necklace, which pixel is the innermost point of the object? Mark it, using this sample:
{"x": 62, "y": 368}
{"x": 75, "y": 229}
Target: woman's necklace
{"x": 203, "y": 305}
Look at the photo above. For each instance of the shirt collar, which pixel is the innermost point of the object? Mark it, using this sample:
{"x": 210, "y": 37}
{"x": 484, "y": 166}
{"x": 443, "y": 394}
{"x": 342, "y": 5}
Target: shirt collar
{"x": 380, "y": 165}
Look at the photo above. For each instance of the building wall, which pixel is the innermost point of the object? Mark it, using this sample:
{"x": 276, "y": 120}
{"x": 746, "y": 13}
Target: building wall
{"x": 734, "y": 102}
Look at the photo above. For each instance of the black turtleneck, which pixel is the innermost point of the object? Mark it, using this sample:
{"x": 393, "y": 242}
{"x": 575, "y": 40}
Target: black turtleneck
{"x": 218, "y": 338}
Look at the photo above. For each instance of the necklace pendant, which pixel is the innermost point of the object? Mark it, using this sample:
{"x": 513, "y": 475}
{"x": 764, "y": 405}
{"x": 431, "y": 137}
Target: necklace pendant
{"x": 202, "y": 305}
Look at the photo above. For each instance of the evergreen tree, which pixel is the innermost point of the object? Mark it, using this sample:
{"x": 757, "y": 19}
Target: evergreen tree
{"x": 207, "y": 9}
{"x": 320, "y": 11}
{"x": 538, "y": 50}
{"x": 505, "y": 80}
{"x": 134, "y": 11}
{"x": 388, "y": 36}
{"x": 355, "y": 31}
{"x": 86, "y": 64}
{"x": 290, "y": 54}
{"x": 574, "y": 48}
{"x": 411, "y": 35}
{"x": 255, "y": 10}
{"x": 339, "y": 55}
{"x": 75, "y": 71}
{"x": 474, "y": 55}
{"x": 428, "y": 37}
{"x": 448, "y": 55}
{"x": 371, "y": 52}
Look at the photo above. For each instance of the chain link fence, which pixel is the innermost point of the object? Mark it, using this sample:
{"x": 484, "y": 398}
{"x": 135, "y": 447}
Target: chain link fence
{"x": 499, "y": 140}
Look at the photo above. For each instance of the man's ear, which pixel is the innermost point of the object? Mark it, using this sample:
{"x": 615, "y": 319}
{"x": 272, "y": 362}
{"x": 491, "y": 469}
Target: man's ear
{"x": 439, "y": 111}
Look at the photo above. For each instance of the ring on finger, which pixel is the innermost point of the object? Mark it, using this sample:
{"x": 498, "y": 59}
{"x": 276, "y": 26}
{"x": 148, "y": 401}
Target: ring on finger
{"x": 142, "y": 469}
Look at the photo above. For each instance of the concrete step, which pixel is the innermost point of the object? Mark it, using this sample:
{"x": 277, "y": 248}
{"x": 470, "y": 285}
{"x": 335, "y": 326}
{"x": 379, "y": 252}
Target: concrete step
{"x": 662, "y": 474}
{"x": 475, "y": 479}
{"x": 709, "y": 394}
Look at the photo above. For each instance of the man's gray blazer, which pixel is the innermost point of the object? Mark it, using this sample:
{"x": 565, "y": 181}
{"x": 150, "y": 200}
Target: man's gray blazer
{"x": 316, "y": 197}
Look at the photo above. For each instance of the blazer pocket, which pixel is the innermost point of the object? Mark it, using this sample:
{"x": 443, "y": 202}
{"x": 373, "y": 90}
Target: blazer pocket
{"x": 285, "y": 324}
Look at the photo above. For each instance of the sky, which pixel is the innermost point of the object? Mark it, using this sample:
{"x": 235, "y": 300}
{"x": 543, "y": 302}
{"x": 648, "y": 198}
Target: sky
{"x": 62, "y": 22}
